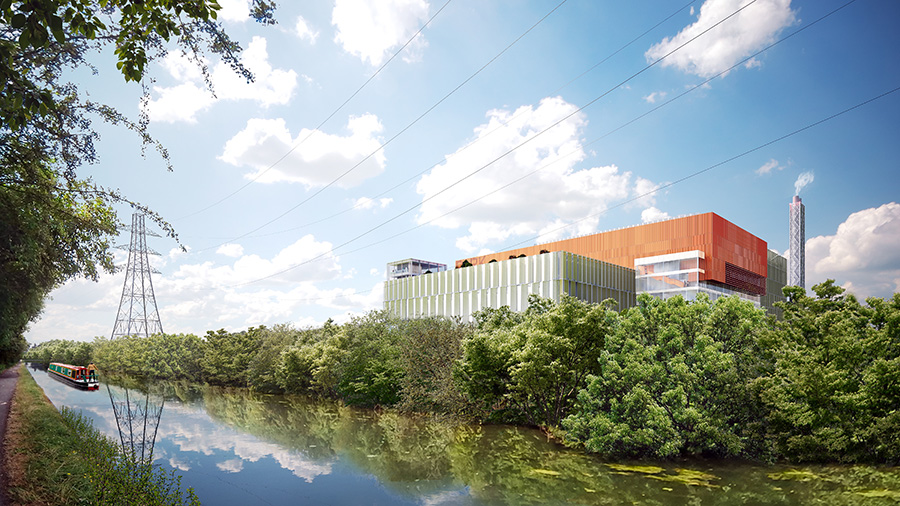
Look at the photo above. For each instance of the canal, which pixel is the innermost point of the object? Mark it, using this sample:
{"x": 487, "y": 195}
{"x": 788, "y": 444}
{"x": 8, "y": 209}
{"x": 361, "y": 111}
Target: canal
{"x": 235, "y": 447}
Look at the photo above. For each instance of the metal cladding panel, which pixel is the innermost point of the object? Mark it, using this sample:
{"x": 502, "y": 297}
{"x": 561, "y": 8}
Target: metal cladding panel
{"x": 722, "y": 242}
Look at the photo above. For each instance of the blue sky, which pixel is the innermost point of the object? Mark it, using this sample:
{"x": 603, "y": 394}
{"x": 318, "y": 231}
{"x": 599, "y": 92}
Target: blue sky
{"x": 470, "y": 141}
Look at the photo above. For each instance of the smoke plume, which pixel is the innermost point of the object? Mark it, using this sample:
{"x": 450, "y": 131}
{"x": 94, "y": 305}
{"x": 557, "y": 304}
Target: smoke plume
{"x": 803, "y": 180}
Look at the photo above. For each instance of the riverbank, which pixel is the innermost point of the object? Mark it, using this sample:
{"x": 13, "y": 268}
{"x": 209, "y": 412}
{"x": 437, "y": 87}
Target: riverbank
{"x": 666, "y": 379}
{"x": 58, "y": 458}
{"x": 41, "y": 466}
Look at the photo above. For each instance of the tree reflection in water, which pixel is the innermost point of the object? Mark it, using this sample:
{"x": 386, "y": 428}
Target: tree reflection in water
{"x": 424, "y": 460}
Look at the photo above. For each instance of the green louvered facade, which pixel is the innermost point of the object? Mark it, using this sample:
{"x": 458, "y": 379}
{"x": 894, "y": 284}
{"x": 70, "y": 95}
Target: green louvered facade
{"x": 775, "y": 281}
{"x": 461, "y": 292}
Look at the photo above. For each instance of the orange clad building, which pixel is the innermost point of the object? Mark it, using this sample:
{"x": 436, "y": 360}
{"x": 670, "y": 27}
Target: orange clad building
{"x": 729, "y": 256}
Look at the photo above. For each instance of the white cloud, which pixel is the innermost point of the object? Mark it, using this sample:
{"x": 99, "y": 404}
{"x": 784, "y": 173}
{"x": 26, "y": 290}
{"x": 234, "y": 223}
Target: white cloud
{"x": 769, "y": 166}
{"x": 863, "y": 255}
{"x": 370, "y": 29}
{"x": 555, "y": 196}
{"x": 231, "y": 250}
{"x": 652, "y": 214}
{"x": 645, "y": 192}
{"x": 318, "y": 158}
{"x": 656, "y": 95}
{"x": 196, "y": 296}
{"x": 735, "y": 39}
{"x": 367, "y": 203}
{"x": 235, "y": 11}
{"x": 183, "y": 101}
{"x": 302, "y": 29}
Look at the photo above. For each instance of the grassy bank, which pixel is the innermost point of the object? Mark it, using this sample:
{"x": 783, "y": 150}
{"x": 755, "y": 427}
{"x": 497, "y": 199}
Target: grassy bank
{"x": 59, "y": 458}
{"x": 41, "y": 463}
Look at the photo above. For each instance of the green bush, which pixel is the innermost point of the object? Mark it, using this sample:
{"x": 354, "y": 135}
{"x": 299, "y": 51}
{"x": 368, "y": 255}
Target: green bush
{"x": 358, "y": 362}
{"x": 429, "y": 350}
{"x": 834, "y": 394}
{"x": 263, "y": 366}
{"x": 532, "y": 367}
{"x": 671, "y": 381}
{"x": 226, "y": 356}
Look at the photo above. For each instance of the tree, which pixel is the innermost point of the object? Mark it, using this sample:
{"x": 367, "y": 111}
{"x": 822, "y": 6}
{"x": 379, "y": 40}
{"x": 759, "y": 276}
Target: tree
{"x": 672, "y": 382}
{"x": 532, "y": 366}
{"x": 226, "y": 356}
{"x": 50, "y": 230}
{"x": 834, "y": 393}
{"x": 429, "y": 350}
{"x": 46, "y": 133}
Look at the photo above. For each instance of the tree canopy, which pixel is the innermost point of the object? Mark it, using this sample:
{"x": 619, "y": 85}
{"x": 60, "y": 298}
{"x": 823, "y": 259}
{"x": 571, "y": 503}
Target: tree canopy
{"x": 56, "y": 223}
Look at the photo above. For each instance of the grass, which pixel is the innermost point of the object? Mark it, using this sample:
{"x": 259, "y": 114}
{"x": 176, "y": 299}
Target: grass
{"x": 59, "y": 458}
{"x": 42, "y": 465}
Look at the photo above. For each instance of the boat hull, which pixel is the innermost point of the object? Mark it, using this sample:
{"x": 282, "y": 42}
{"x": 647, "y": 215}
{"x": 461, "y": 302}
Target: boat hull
{"x": 78, "y": 377}
{"x": 77, "y": 384}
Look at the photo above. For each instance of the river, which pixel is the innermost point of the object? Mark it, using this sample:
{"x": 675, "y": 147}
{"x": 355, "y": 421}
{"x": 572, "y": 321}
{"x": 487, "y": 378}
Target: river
{"x": 235, "y": 447}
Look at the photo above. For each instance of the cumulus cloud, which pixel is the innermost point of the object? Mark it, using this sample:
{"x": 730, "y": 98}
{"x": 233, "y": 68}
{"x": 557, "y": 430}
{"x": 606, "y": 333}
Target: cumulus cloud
{"x": 803, "y": 180}
{"x": 544, "y": 202}
{"x": 183, "y": 101}
{"x": 235, "y": 11}
{"x": 652, "y": 214}
{"x": 735, "y": 39}
{"x": 195, "y": 296}
{"x": 656, "y": 95}
{"x": 231, "y": 250}
{"x": 863, "y": 255}
{"x": 303, "y": 30}
{"x": 314, "y": 157}
{"x": 370, "y": 29}
{"x": 769, "y": 166}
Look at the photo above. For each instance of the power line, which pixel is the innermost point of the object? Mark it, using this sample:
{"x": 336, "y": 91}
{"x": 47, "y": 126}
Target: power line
{"x": 401, "y": 132}
{"x": 751, "y": 2}
{"x": 480, "y": 138}
{"x": 723, "y": 162}
{"x": 624, "y": 202}
{"x": 351, "y": 97}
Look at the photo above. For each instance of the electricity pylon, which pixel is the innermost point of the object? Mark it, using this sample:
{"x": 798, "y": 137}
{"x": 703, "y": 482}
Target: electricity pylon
{"x": 137, "y": 419}
{"x": 138, "y": 315}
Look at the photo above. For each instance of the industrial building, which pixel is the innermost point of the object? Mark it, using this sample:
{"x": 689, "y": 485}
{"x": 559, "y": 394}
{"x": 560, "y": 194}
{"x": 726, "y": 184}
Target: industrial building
{"x": 703, "y": 253}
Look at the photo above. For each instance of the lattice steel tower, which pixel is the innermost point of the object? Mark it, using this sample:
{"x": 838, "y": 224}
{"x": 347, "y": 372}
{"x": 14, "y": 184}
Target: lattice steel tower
{"x": 138, "y": 315}
{"x": 797, "y": 243}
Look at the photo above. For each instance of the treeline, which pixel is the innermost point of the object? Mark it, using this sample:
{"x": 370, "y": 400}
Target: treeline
{"x": 662, "y": 379}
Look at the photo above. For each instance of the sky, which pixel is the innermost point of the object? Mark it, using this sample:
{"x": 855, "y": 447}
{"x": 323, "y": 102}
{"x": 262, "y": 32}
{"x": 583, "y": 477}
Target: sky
{"x": 379, "y": 130}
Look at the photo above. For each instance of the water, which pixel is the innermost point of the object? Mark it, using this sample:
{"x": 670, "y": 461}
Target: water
{"x": 238, "y": 448}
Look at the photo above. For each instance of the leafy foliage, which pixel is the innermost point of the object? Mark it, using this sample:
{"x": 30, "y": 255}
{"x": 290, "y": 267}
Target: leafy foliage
{"x": 227, "y": 355}
{"x": 55, "y": 225}
{"x": 671, "y": 381}
{"x": 429, "y": 350}
{"x": 535, "y": 366}
{"x": 50, "y": 231}
{"x": 834, "y": 393}
{"x": 667, "y": 378}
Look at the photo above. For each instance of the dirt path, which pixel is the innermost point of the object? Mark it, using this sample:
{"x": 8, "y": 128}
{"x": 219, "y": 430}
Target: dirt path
{"x": 8, "y": 381}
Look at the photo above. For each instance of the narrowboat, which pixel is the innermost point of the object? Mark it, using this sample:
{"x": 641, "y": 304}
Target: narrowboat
{"x": 75, "y": 375}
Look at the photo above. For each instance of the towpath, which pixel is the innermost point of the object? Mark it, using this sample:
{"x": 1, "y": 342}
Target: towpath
{"x": 8, "y": 381}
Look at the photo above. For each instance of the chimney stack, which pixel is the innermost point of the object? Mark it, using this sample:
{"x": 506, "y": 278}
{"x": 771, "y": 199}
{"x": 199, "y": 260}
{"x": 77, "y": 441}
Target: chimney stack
{"x": 797, "y": 244}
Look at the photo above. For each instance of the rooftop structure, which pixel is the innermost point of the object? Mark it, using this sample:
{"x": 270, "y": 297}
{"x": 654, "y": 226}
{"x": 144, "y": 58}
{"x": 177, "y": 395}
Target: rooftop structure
{"x": 685, "y": 256}
{"x": 412, "y": 267}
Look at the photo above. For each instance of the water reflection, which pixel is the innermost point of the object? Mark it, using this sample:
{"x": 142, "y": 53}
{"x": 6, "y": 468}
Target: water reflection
{"x": 238, "y": 447}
